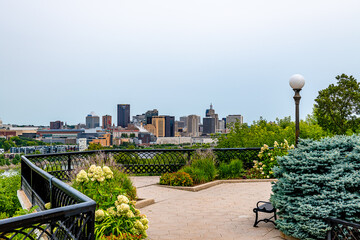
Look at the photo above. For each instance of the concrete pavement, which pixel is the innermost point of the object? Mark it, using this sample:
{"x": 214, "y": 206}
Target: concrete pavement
{"x": 220, "y": 212}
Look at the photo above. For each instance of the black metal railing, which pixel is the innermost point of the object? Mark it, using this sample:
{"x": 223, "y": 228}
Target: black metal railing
{"x": 341, "y": 229}
{"x": 141, "y": 161}
{"x": 71, "y": 216}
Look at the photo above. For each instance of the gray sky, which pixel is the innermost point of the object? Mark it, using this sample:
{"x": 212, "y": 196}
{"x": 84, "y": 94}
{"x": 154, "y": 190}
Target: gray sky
{"x": 60, "y": 60}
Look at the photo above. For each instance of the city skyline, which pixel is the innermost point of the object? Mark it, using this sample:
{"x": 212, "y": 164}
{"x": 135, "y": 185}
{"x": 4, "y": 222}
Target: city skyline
{"x": 62, "y": 60}
{"x": 100, "y": 118}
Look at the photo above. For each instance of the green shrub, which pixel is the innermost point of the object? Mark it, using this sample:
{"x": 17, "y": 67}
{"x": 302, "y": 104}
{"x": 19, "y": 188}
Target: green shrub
{"x": 234, "y": 169}
{"x": 202, "y": 167}
{"x": 317, "y": 180}
{"x": 9, "y": 203}
{"x": 16, "y": 159}
{"x": 176, "y": 179}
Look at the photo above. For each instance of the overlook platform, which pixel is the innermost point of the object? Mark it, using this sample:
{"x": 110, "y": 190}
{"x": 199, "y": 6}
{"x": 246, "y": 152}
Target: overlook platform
{"x": 220, "y": 212}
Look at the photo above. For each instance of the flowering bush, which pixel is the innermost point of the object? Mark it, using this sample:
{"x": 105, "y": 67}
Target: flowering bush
{"x": 104, "y": 185}
{"x": 121, "y": 221}
{"x": 176, "y": 179}
{"x": 264, "y": 167}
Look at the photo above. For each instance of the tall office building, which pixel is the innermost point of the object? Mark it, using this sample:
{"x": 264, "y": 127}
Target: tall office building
{"x": 106, "y": 121}
{"x": 231, "y": 119}
{"x": 164, "y": 125}
{"x": 159, "y": 123}
{"x": 123, "y": 115}
{"x": 211, "y": 113}
{"x": 209, "y": 125}
{"x": 193, "y": 125}
{"x": 149, "y": 114}
{"x": 56, "y": 125}
{"x": 169, "y": 126}
{"x": 92, "y": 120}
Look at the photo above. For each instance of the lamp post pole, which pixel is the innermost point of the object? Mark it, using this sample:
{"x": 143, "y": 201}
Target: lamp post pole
{"x": 297, "y": 82}
{"x": 297, "y": 98}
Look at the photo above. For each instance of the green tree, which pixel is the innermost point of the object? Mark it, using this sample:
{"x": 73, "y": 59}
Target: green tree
{"x": 95, "y": 146}
{"x": 263, "y": 132}
{"x": 338, "y": 105}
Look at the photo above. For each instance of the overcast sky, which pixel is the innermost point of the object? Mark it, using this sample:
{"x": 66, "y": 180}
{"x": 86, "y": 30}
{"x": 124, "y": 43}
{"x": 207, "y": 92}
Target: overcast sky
{"x": 60, "y": 60}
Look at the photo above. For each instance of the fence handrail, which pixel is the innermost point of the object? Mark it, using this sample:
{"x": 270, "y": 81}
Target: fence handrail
{"x": 80, "y": 207}
{"x": 141, "y": 150}
{"x": 60, "y": 184}
{"x": 339, "y": 221}
{"x": 44, "y": 216}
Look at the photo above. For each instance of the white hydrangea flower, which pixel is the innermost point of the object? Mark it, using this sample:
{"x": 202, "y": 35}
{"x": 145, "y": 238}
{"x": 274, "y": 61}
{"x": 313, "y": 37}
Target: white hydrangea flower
{"x": 122, "y": 199}
{"x": 122, "y": 208}
{"x": 144, "y": 221}
{"x": 99, "y": 215}
{"x": 139, "y": 225}
{"x": 130, "y": 214}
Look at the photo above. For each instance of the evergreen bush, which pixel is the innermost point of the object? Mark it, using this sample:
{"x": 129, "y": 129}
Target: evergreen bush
{"x": 317, "y": 180}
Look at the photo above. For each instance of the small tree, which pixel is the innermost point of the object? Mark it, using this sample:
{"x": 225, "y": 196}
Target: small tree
{"x": 338, "y": 105}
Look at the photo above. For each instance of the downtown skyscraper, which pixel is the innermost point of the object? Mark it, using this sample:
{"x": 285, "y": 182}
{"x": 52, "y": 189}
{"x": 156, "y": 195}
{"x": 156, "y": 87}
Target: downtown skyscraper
{"x": 123, "y": 115}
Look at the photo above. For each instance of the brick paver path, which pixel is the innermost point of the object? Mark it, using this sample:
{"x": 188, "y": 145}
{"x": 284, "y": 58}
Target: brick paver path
{"x": 220, "y": 212}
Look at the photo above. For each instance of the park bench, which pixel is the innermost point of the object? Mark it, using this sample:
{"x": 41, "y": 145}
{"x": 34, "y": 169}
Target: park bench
{"x": 265, "y": 207}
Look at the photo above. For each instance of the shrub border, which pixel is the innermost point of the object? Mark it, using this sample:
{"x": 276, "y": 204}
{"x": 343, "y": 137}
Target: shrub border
{"x": 217, "y": 182}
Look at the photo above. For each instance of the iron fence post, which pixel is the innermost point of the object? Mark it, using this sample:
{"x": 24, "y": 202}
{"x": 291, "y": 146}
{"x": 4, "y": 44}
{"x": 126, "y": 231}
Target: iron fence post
{"x": 69, "y": 162}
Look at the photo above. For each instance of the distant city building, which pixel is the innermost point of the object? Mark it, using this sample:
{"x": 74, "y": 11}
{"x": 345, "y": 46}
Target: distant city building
{"x": 184, "y": 119}
{"x": 7, "y": 133}
{"x": 106, "y": 121}
{"x": 159, "y": 124}
{"x": 65, "y": 136}
{"x": 44, "y": 149}
{"x": 149, "y": 114}
{"x": 92, "y": 120}
{"x": 82, "y": 143}
{"x": 56, "y": 125}
{"x": 209, "y": 125}
{"x": 221, "y": 126}
{"x": 179, "y": 127}
{"x": 139, "y": 119}
{"x": 80, "y": 126}
{"x": 231, "y": 119}
{"x": 169, "y": 126}
{"x": 150, "y": 128}
{"x": 123, "y": 115}
{"x": 180, "y": 124}
{"x": 1, "y": 123}
{"x": 104, "y": 140}
{"x": 193, "y": 125}
{"x": 164, "y": 126}
{"x": 211, "y": 113}
{"x": 201, "y": 128}
{"x": 144, "y": 137}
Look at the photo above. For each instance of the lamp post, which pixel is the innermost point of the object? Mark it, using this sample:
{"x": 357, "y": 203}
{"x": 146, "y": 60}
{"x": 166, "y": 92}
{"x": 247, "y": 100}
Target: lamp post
{"x": 297, "y": 82}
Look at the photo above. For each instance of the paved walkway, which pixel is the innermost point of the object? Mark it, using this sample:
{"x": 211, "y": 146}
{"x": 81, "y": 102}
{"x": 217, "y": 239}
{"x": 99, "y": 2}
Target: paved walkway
{"x": 220, "y": 212}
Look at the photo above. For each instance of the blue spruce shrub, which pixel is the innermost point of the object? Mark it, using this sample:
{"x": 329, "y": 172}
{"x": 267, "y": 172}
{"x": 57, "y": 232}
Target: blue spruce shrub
{"x": 317, "y": 180}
